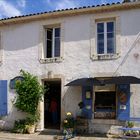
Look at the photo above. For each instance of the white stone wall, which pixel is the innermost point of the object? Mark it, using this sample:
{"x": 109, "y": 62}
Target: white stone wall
{"x": 21, "y": 43}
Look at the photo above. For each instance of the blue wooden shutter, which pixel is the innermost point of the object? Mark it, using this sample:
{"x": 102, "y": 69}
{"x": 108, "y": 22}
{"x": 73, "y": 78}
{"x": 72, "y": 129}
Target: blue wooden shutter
{"x": 87, "y": 110}
{"x": 123, "y": 93}
{"x": 3, "y": 97}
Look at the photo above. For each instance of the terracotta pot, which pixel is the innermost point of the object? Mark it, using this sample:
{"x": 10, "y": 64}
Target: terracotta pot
{"x": 31, "y": 129}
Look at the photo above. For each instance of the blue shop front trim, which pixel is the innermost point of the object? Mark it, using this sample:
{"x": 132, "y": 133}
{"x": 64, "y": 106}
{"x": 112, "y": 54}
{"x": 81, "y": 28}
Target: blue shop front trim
{"x": 106, "y": 104}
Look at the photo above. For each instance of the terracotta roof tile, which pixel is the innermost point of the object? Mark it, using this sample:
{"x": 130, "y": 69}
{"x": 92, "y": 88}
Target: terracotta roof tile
{"x": 60, "y": 10}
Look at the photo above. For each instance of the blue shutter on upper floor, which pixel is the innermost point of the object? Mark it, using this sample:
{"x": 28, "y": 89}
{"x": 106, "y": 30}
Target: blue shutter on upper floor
{"x": 3, "y": 97}
{"x": 123, "y": 108}
{"x": 87, "y": 100}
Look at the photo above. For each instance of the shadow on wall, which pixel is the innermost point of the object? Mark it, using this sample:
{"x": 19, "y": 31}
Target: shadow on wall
{"x": 7, "y": 122}
{"x": 72, "y": 97}
{"x": 20, "y": 36}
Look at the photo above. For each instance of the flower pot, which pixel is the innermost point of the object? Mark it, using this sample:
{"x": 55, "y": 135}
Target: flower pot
{"x": 31, "y": 129}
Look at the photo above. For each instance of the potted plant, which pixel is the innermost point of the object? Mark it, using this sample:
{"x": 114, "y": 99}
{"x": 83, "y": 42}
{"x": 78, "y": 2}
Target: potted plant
{"x": 31, "y": 123}
{"x": 68, "y": 126}
{"x": 132, "y": 133}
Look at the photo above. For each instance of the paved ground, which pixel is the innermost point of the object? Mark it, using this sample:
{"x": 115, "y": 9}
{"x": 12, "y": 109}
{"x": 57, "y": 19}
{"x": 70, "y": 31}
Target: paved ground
{"x": 46, "y": 136}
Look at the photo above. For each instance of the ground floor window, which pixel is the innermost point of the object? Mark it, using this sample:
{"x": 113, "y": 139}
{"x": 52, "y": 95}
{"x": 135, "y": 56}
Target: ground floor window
{"x": 105, "y": 105}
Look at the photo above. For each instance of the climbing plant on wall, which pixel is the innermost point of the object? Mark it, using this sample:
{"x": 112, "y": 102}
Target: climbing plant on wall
{"x": 29, "y": 93}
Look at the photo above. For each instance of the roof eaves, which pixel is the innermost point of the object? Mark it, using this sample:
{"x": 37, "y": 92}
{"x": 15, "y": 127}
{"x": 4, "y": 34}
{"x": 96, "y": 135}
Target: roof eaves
{"x": 70, "y": 11}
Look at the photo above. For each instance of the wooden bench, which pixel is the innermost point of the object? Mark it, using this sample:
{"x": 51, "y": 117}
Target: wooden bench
{"x": 127, "y": 128}
{"x": 124, "y": 129}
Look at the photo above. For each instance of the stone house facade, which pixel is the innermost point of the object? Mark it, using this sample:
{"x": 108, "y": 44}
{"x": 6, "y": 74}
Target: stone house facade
{"x": 62, "y": 46}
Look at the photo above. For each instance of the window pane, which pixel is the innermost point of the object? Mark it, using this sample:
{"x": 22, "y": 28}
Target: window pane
{"x": 100, "y": 48}
{"x": 110, "y": 26}
{"x": 57, "y": 47}
{"x": 49, "y": 43}
{"x": 100, "y": 37}
{"x": 49, "y": 49}
{"x": 100, "y": 44}
{"x": 110, "y": 43}
{"x": 100, "y": 27}
{"x": 57, "y": 32}
{"x": 49, "y": 34}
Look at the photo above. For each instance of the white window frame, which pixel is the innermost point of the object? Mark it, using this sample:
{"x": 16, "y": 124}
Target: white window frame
{"x": 105, "y": 37}
{"x": 51, "y": 23}
{"x": 93, "y": 36}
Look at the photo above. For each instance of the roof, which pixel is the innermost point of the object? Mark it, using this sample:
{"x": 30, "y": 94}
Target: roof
{"x": 70, "y": 12}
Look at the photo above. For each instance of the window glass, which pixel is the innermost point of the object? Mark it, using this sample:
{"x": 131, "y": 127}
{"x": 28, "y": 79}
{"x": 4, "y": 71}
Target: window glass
{"x": 100, "y": 43}
{"x": 110, "y": 26}
{"x": 110, "y": 43}
{"x": 49, "y": 43}
{"x": 110, "y": 37}
{"x": 49, "y": 49}
{"x": 100, "y": 27}
{"x": 57, "y": 47}
{"x": 57, "y": 32}
{"x": 49, "y": 34}
{"x": 100, "y": 38}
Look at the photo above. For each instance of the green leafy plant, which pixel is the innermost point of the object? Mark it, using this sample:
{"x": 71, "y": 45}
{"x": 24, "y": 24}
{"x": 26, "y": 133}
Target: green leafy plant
{"x": 129, "y": 124}
{"x": 32, "y": 119}
{"x": 69, "y": 121}
{"x": 29, "y": 93}
{"x": 20, "y": 126}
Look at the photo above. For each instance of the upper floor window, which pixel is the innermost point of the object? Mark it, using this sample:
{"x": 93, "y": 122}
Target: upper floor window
{"x": 106, "y": 38}
{"x": 52, "y": 42}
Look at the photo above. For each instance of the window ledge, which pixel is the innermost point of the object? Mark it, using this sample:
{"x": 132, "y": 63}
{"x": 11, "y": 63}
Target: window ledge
{"x": 105, "y": 56}
{"x": 51, "y": 60}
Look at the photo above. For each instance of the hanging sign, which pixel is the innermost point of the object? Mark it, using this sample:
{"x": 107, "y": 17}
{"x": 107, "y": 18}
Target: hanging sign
{"x": 14, "y": 80}
{"x": 123, "y": 97}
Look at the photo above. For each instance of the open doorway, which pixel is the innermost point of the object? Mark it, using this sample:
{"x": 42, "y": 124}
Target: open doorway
{"x": 52, "y": 105}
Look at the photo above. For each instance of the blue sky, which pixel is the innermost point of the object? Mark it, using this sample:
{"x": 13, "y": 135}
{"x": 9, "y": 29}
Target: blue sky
{"x": 9, "y": 8}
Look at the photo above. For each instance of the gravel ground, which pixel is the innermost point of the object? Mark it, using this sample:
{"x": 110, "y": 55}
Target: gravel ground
{"x": 46, "y": 136}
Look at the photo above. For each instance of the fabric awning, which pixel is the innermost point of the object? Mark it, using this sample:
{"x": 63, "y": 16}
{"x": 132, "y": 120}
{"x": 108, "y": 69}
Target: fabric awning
{"x": 84, "y": 82}
{"x": 122, "y": 80}
{"x": 111, "y": 80}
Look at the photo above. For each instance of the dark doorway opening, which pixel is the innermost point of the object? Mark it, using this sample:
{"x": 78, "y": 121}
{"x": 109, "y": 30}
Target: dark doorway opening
{"x": 52, "y": 105}
{"x": 105, "y": 105}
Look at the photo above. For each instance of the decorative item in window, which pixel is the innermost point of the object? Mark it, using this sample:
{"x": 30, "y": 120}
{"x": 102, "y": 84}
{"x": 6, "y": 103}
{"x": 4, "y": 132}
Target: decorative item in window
{"x": 88, "y": 107}
{"x": 88, "y": 95}
{"x": 123, "y": 107}
{"x": 122, "y": 97}
{"x": 14, "y": 80}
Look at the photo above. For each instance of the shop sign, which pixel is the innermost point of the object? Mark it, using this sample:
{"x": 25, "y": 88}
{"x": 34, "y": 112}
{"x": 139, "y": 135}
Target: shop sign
{"x": 14, "y": 80}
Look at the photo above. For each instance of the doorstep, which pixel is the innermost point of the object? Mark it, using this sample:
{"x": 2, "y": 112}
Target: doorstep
{"x": 17, "y": 136}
